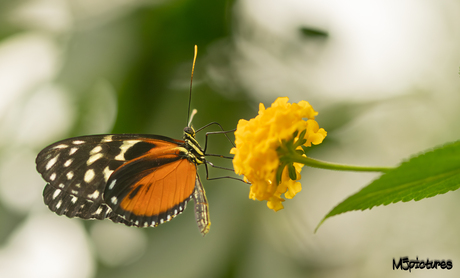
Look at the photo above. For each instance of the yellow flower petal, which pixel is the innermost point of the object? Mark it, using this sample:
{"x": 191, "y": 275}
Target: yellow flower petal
{"x": 275, "y": 203}
{"x": 257, "y": 148}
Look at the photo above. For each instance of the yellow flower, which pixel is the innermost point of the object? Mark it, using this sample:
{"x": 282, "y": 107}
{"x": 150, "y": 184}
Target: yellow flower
{"x": 263, "y": 145}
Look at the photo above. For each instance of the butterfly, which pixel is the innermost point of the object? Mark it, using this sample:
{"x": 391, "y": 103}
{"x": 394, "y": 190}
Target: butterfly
{"x": 136, "y": 179}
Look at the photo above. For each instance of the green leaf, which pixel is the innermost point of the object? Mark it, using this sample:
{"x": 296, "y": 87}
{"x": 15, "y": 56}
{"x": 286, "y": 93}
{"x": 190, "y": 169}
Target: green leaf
{"x": 426, "y": 175}
{"x": 313, "y": 33}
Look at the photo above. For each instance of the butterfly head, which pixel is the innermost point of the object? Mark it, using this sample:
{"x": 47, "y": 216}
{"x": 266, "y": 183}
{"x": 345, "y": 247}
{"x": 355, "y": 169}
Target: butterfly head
{"x": 189, "y": 132}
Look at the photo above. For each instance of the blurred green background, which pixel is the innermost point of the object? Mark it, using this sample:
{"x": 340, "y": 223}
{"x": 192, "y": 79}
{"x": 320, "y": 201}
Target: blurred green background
{"x": 383, "y": 76}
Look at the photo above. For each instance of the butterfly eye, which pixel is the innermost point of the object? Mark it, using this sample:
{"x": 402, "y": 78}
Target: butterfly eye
{"x": 189, "y": 131}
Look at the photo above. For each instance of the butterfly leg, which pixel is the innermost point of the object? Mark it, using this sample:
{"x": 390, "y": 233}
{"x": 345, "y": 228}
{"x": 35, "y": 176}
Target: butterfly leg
{"x": 223, "y": 177}
{"x": 222, "y": 131}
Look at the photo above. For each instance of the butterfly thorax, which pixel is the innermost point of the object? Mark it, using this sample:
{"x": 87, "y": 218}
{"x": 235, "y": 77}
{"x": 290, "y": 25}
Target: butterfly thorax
{"x": 194, "y": 152}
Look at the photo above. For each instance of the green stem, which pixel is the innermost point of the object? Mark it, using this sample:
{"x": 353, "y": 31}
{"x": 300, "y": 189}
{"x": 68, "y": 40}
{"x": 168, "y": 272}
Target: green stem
{"x": 333, "y": 166}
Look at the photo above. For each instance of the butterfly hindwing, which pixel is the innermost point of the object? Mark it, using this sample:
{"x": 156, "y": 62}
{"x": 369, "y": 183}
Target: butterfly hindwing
{"x": 152, "y": 189}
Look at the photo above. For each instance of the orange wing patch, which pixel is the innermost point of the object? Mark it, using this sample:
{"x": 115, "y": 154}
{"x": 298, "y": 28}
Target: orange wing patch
{"x": 162, "y": 190}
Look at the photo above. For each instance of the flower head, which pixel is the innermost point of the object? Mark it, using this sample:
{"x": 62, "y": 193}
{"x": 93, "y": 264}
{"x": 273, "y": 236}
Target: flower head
{"x": 263, "y": 148}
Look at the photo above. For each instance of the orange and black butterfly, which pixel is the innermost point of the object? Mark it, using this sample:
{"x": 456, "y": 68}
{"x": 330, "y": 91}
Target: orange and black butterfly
{"x": 138, "y": 180}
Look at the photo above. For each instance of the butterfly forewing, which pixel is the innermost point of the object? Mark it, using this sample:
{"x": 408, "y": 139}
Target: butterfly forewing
{"x": 77, "y": 170}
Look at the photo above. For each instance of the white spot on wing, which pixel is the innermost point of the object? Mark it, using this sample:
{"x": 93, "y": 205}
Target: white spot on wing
{"x": 94, "y": 158}
{"x": 53, "y": 176}
{"x": 112, "y": 184}
{"x": 51, "y": 162}
{"x": 72, "y": 150}
{"x": 107, "y": 172}
{"x": 74, "y": 199}
{"x": 125, "y": 147}
{"x": 94, "y": 195}
{"x": 77, "y": 185}
{"x": 60, "y": 146}
{"x": 78, "y": 142}
{"x": 107, "y": 138}
{"x": 58, "y": 205}
{"x": 168, "y": 218}
{"x": 98, "y": 211}
{"x": 89, "y": 176}
{"x": 161, "y": 221}
{"x": 68, "y": 162}
{"x": 61, "y": 185}
{"x": 74, "y": 192}
{"x": 114, "y": 200}
{"x": 69, "y": 175}
{"x": 56, "y": 193}
{"x": 96, "y": 150}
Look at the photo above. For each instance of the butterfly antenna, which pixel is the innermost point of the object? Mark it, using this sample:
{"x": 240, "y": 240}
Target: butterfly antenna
{"x": 189, "y": 120}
